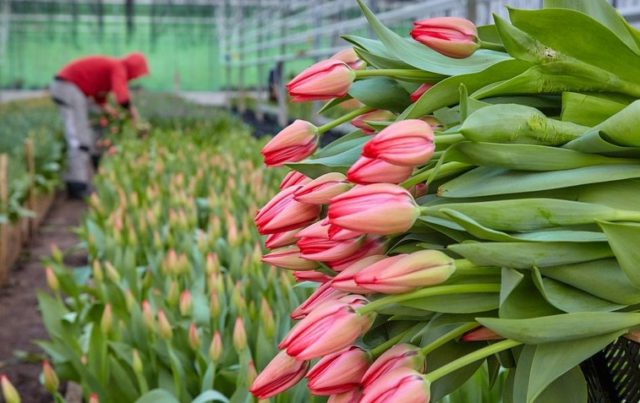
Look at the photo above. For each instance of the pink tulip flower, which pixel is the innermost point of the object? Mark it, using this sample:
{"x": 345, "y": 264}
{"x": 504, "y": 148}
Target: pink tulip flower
{"x": 452, "y": 36}
{"x": 294, "y": 143}
{"x": 399, "y": 356}
{"x": 324, "y": 80}
{"x": 338, "y": 373}
{"x": 415, "y": 95}
{"x": 381, "y": 209}
{"x": 294, "y": 178}
{"x": 350, "y": 57}
{"x": 322, "y": 294}
{"x": 378, "y": 115}
{"x": 481, "y": 333}
{"x": 372, "y": 246}
{"x": 345, "y": 280}
{"x": 279, "y": 239}
{"x": 401, "y": 385}
{"x": 352, "y": 396}
{"x": 322, "y": 189}
{"x": 280, "y": 374}
{"x": 288, "y": 257}
{"x": 283, "y": 213}
{"x": 311, "y": 275}
{"x": 408, "y": 142}
{"x": 366, "y": 171}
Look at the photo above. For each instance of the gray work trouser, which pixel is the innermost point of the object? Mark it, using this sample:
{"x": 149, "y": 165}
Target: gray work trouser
{"x": 81, "y": 141}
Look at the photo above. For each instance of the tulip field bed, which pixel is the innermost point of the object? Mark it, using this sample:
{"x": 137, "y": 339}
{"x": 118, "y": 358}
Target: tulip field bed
{"x": 31, "y": 152}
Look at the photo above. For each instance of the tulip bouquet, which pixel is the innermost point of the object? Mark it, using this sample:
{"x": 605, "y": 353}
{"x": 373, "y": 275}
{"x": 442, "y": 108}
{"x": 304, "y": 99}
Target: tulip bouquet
{"x": 485, "y": 215}
{"x": 175, "y": 305}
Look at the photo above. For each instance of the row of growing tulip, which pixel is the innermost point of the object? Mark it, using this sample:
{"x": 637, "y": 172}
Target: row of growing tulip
{"x": 175, "y": 304}
{"x": 486, "y": 211}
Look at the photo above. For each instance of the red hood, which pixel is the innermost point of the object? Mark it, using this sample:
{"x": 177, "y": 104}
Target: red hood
{"x": 136, "y": 65}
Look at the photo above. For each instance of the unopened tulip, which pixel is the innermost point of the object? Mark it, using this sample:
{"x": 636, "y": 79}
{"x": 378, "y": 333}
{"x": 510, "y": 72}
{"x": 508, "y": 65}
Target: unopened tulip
{"x": 49, "y": 378}
{"x": 311, "y": 275}
{"x": 283, "y": 213}
{"x": 9, "y": 392}
{"x": 193, "y": 337}
{"x": 294, "y": 178}
{"x": 329, "y": 328}
{"x": 338, "y": 373}
{"x": 408, "y": 142}
{"x": 406, "y": 272}
{"x": 186, "y": 303}
{"x": 279, "y": 375}
{"x": 350, "y": 57}
{"x": 294, "y": 143}
{"x": 324, "y": 80}
{"x": 452, "y": 36}
{"x": 148, "y": 316}
{"x": 93, "y": 398}
{"x": 399, "y": 356}
{"x": 52, "y": 280}
{"x": 322, "y": 189}
{"x": 415, "y": 95}
{"x": 164, "y": 327}
{"x": 280, "y": 239}
{"x": 481, "y": 333}
{"x": 352, "y": 396}
{"x": 378, "y": 115}
{"x": 239, "y": 335}
{"x": 372, "y": 170}
{"x": 401, "y": 385}
{"x": 381, "y": 209}
{"x": 289, "y": 257}
{"x": 323, "y": 249}
{"x": 321, "y": 295}
{"x": 136, "y": 362}
{"x": 106, "y": 322}
{"x": 372, "y": 245}
{"x": 215, "y": 349}
{"x": 345, "y": 280}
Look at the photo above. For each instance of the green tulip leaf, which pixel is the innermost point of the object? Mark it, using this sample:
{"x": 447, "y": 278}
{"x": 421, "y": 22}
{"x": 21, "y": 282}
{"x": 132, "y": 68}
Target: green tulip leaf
{"x": 424, "y": 58}
{"x": 590, "y": 109}
{"x": 157, "y": 396}
{"x": 601, "y": 278}
{"x": 563, "y": 327}
{"x": 381, "y": 93}
{"x": 623, "y": 238}
{"x": 519, "y": 298}
{"x": 485, "y": 181}
{"x": 457, "y": 303}
{"x": 210, "y": 396}
{"x": 454, "y": 380}
{"x": 524, "y": 255}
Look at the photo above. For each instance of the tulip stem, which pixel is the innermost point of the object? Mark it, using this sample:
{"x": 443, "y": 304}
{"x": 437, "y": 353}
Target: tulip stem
{"x": 447, "y": 337}
{"x": 344, "y": 119}
{"x": 396, "y": 73}
{"x": 470, "y": 358}
{"x": 448, "y": 139}
{"x": 440, "y": 172}
{"x": 429, "y": 292}
{"x": 492, "y": 46}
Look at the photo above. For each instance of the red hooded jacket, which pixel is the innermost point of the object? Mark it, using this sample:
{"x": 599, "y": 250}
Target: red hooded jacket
{"x": 96, "y": 76}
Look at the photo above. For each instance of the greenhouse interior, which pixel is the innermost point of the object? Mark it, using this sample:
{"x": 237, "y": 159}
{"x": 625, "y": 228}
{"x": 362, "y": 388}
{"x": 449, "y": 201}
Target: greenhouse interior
{"x": 342, "y": 201}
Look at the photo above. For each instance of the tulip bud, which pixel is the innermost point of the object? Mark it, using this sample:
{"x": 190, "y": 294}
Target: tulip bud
{"x": 266, "y": 319}
{"x": 9, "y": 392}
{"x": 452, "y": 36}
{"x": 52, "y": 280}
{"x": 98, "y": 275}
{"x": 320, "y": 296}
{"x": 107, "y": 320}
{"x": 136, "y": 362}
{"x": 283, "y": 213}
{"x": 407, "y": 143}
{"x": 378, "y": 115}
{"x": 345, "y": 280}
{"x": 173, "y": 295}
{"x": 380, "y": 208}
{"x": 112, "y": 273}
{"x": 311, "y": 275}
{"x": 406, "y": 272}
{"x": 338, "y": 373}
{"x": 324, "y": 80}
{"x": 350, "y": 57}
{"x": 213, "y": 263}
{"x": 400, "y": 385}
{"x": 164, "y": 327}
{"x": 288, "y": 257}
{"x": 194, "y": 338}
{"x": 292, "y": 144}
{"x": 415, "y": 95}
{"x": 294, "y": 178}
{"x": 280, "y": 239}
{"x": 372, "y": 170}
{"x": 186, "y": 304}
{"x": 398, "y": 356}
{"x": 93, "y": 398}
{"x": 148, "y": 316}
{"x": 339, "y": 324}
{"x": 215, "y": 349}
{"x": 214, "y": 305}
{"x": 239, "y": 335}
{"x": 49, "y": 378}
{"x": 129, "y": 299}
{"x": 322, "y": 189}
{"x": 372, "y": 246}
{"x": 481, "y": 333}
{"x": 279, "y": 375}
{"x": 56, "y": 253}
